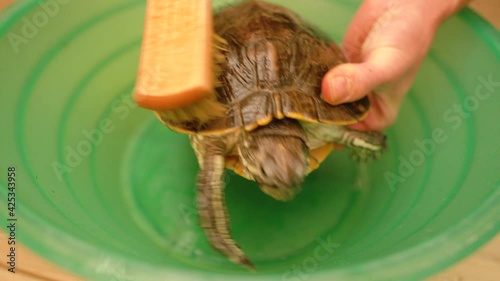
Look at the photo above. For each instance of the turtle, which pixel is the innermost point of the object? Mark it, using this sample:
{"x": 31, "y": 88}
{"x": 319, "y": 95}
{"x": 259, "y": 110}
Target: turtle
{"x": 277, "y": 129}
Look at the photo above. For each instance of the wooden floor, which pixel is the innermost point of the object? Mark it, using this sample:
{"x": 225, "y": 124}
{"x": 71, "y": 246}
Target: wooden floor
{"x": 484, "y": 265}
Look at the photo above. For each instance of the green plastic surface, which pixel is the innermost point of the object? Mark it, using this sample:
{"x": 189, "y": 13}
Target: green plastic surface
{"x": 105, "y": 190}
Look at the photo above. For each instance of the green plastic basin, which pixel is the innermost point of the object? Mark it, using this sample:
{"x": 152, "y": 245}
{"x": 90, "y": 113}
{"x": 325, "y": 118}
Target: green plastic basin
{"x": 106, "y": 191}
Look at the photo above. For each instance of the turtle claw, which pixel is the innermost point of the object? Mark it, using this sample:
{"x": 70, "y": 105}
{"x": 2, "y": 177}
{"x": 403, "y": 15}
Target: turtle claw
{"x": 362, "y": 155}
{"x": 367, "y": 146}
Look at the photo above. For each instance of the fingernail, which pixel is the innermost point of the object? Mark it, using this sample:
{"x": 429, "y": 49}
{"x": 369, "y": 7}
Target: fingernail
{"x": 340, "y": 87}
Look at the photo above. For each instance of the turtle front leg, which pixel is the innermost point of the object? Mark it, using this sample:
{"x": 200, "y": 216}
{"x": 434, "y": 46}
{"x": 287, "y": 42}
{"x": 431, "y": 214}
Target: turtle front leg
{"x": 212, "y": 211}
{"x": 365, "y": 145}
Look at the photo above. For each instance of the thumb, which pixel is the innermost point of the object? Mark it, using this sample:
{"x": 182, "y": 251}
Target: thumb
{"x": 352, "y": 81}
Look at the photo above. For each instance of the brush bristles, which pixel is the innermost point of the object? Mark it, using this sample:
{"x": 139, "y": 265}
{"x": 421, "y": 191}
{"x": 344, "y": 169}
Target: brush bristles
{"x": 200, "y": 112}
{"x": 209, "y": 107}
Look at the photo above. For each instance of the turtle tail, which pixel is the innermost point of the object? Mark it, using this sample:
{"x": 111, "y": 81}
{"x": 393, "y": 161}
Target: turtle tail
{"x": 212, "y": 211}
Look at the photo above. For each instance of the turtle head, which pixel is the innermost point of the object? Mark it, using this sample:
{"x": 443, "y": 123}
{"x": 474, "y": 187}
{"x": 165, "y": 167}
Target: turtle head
{"x": 277, "y": 158}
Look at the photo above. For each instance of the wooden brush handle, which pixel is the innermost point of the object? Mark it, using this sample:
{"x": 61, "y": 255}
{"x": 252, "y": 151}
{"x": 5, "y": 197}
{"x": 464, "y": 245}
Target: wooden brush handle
{"x": 176, "y": 63}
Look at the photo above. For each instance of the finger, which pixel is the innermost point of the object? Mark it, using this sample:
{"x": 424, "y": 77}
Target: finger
{"x": 352, "y": 81}
{"x": 381, "y": 115}
{"x": 359, "y": 28}
{"x": 385, "y": 107}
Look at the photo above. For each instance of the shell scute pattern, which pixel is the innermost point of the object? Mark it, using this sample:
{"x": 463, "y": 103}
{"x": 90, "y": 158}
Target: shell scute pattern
{"x": 273, "y": 68}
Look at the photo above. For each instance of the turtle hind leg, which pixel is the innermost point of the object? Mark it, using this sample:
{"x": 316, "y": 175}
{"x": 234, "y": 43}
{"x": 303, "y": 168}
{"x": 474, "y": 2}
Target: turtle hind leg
{"x": 365, "y": 145}
{"x": 212, "y": 211}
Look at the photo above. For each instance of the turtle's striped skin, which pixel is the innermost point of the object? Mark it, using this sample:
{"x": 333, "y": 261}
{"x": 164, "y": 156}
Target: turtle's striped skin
{"x": 277, "y": 128}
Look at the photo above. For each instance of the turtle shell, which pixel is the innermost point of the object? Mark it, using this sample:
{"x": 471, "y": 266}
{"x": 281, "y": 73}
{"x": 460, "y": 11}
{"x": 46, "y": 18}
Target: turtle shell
{"x": 273, "y": 67}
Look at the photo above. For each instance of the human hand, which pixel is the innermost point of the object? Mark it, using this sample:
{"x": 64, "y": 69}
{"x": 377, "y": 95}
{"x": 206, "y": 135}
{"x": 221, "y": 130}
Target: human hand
{"x": 385, "y": 45}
